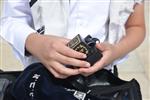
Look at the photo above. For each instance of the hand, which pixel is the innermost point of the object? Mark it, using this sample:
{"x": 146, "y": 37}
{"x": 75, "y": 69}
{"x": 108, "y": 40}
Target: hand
{"x": 109, "y": 55}
{"x": 54, "y": 54}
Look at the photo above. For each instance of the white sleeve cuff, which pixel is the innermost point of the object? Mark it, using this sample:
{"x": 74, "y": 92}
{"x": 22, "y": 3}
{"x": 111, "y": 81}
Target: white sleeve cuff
{"x": 16, "y": 35}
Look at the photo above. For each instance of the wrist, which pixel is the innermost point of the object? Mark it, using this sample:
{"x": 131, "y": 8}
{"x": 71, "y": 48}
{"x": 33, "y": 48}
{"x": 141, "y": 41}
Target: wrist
{"x": 29, "y": 43}
{"x": 119, "y": 51}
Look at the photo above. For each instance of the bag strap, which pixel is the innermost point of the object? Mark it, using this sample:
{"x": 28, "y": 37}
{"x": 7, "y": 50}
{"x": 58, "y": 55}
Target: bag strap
{"x": 115, "y": 71}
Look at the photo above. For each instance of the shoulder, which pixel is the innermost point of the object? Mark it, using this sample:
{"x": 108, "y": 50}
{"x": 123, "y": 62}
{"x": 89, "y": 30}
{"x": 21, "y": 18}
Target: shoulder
{"x": 122, "y": 9}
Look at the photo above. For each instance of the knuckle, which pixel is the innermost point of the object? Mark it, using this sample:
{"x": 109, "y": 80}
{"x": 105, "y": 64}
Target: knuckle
{"x": 61, "y": 71}
{"x": 53, "y": 45}
{"x": 51, "y": 55}
{"x": 77, "y": 54}
{"x": 68, "y": 61}
{"x": 76, "y": 63}
{"x": 83, "y": 63}
{"x": 80, "y": 63}
{"x": 64, "y": 72}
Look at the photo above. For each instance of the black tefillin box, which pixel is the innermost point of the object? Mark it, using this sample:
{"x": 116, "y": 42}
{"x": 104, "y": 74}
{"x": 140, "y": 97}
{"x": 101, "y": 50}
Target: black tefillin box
{"x": 87, "y": 46}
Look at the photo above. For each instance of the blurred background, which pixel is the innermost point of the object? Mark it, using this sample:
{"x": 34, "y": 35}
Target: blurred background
{"x": 137, "y": 66}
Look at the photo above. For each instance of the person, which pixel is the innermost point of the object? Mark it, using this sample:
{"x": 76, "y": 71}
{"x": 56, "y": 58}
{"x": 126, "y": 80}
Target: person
{"x": 119, "y": 25}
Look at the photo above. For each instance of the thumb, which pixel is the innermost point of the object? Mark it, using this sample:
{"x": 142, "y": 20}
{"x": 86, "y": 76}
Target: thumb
{"x": 101, "y": 46}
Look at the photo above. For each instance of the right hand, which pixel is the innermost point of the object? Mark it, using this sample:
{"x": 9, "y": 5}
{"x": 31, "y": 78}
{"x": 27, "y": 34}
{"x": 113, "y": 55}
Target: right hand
{"x": 54, "y": 54}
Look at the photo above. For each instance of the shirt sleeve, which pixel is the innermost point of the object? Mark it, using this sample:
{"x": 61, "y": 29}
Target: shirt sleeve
{"x": 16, "y": 24}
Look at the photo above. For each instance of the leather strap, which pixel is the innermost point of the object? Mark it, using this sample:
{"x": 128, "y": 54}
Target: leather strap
{"x": 32, "y": 2}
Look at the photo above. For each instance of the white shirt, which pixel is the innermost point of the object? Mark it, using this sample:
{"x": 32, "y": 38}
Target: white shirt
{"x": 88, "y": 17}
{"x": 15, "y": 24}
{"x": 85, "y": 17}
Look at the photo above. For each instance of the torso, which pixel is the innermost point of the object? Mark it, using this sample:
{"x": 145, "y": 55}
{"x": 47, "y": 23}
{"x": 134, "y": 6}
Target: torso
{"x": 88, "y": 17}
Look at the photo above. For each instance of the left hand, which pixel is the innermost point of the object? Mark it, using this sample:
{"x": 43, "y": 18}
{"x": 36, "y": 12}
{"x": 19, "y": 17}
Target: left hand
{"x": 109, "y": 55}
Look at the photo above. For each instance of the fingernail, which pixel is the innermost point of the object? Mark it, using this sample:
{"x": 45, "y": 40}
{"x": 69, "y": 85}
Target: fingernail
{"x": 84, "y": 56}
{"x": 87, "y": 65}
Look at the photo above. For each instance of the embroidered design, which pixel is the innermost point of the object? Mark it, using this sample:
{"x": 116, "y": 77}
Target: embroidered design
{"x": 32, "y": 85}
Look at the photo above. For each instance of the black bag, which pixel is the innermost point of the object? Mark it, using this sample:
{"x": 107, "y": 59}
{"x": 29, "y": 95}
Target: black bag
{"x": 37, "y": 83}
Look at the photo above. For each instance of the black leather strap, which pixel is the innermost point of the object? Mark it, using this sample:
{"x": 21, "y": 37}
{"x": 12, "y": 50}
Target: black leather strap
{"x": 115, "y": 71}
{"x": 32, "y": 2}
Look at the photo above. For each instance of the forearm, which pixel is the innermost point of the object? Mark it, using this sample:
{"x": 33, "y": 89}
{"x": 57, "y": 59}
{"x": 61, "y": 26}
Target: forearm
{"x": 134, "y": 37}
{"x": 135, "y": 32}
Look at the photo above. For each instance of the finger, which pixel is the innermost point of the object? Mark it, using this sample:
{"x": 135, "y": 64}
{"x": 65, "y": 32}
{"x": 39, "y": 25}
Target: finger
{"x": 64, "y": 70}
{"x": 62, "y": 39}
{"x": 56, "y": 74}
{"x": 70, "y": 52}
{"x": 97, "y": 66}
{"x": 71, "y": 61}
{"x": 101, "y": 46}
